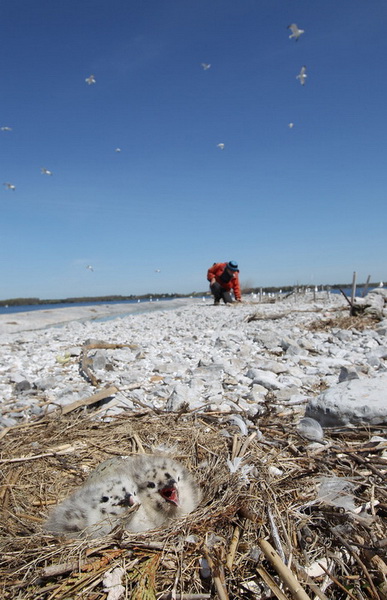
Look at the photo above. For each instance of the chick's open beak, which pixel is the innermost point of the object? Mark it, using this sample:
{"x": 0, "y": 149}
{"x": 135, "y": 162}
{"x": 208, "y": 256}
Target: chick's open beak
{"x": 170, "y": 494}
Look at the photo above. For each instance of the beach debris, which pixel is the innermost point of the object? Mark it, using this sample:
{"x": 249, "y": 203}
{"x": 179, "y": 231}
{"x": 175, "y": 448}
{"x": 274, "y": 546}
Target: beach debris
{"x": 5, "y": 128}
{"x": 236, "y": 466}
{"x": 237, "y": 420}
{"x": 90, "y": 80}
{"x": 90, "y": 268}
{"x": 10, "y": 186}
{"x": 337, "y": 491}
{"x": 302, "y": 75}
{"x": 221, "y": 146}
{"x": 205, "y": 66}
{"x": 296, "y": 32}
{"x": 291, "y": 125}
{"x": 45, "y": 171}
{"x": 112, "y": 583}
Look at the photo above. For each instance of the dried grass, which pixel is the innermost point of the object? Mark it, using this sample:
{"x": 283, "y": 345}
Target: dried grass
{"x": 43, "y": 462}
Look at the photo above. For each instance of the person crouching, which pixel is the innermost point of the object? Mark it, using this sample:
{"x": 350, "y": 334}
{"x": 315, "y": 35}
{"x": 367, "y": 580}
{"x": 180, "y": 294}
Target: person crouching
{"x": 223, "y": 278}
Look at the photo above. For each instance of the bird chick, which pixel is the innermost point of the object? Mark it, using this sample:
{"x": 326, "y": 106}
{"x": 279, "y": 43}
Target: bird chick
{"x": 94, "y": 509}
{"x": 166, "y": 489}
{"x": 296, "y": 32}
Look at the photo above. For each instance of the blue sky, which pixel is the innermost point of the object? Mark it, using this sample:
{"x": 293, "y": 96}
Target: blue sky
{"x": 291, "y": 205}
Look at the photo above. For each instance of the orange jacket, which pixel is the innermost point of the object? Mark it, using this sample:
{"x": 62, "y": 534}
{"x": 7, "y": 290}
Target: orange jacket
{"x": 217, "y": 270}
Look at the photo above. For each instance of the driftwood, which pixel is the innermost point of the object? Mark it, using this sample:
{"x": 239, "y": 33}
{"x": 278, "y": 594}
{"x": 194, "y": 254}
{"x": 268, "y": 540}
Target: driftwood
{"x": 283, "y": 571}
{"x": 101, "y": 395}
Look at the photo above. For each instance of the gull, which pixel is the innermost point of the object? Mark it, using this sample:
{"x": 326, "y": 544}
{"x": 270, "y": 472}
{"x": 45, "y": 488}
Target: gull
{"x": 5, "y": 128}
{"x": 90, "y": 80}
{"x": 90, "y": 268}
{"x": 166, "y": 490}
{"x": 117, "y": 150}
{"x": 10, "y": 186}
{"x": 157, "y": 270}
{"x": 291, "y": 125}
{"x": 45, "y": 171}
{"x": 205, "y": 66}
{"x": 296, "y": 33}
{"x": 302, "y": 75}
{"x": 94, "y": 509}
{"x": 221, "y": 146}
{"x": 137, "y": 492}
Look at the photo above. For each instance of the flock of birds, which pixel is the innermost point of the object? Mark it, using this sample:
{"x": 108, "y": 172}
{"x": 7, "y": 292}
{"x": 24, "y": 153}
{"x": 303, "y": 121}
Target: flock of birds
{"x": 137, "y": 493}
{"x": 296, "y": 33}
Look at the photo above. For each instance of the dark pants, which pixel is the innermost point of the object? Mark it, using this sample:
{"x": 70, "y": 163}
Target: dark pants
{"x": 220, "y": 294}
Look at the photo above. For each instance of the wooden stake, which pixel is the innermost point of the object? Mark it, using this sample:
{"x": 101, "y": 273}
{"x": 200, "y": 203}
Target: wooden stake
{"x": 283, "y": 571}
{"x": 353, "y": 288}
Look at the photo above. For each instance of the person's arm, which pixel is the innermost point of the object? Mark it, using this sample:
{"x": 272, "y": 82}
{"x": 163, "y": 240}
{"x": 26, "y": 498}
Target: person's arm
{"x": 211, "y": 273}
{"x": 237, "y": 289}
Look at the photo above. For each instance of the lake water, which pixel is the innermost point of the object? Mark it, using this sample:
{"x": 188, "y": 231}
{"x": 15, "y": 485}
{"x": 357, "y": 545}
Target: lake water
{"x": 4, "y": 310}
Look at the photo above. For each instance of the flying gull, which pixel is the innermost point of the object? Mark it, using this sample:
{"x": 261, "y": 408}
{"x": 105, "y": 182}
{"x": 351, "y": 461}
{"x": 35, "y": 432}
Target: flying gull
{"x": 10, "y": 186}
{"x": 302, "y": 75}
{"x": 45, "y": 171}
{"x": 221, "y": 146}
{"x": 90, "y": 268}
{"x": 90, "y": 80}
{"x": 5, "y": 128}
{"x": 296, "y": 33}
{"x": 205, "y": 66}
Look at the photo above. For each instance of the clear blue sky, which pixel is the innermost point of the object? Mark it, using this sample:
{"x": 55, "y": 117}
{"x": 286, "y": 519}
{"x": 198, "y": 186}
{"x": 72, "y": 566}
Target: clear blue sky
{"x": 306, "y": 204}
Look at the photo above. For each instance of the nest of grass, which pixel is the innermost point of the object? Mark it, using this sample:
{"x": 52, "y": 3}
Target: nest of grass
{"x": 261, "y": 530}
{"x": 360, "y": 323}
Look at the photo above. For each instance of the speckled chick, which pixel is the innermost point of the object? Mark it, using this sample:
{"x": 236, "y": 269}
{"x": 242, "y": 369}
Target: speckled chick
{"x": 94, "y": 509}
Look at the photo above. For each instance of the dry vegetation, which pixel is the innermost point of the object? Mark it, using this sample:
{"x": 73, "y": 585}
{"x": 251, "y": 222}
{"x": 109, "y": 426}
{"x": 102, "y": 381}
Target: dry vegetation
{"x": 248, "y": 530}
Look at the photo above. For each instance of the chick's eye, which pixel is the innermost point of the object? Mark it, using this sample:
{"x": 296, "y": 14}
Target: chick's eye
{"x": 151, "y": 484}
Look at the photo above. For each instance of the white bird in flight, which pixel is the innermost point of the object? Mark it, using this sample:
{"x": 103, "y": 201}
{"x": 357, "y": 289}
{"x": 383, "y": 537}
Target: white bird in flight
{"x": 45, "y": 171}
{"x": 90, "y": 268}
{"x": 117, "y": 150}
{"x": 90, "y": 80}
{"x": 291, "y": 125}
{"x": 5, "y": 128}
{"x": 296, "y": 32}
{"x": 302, "y": 75}
{"x": 10, "y": 186}
{"x": 205, "y": 66}
{"x": 157, "y": 270}
{"x": 221, "y": 146}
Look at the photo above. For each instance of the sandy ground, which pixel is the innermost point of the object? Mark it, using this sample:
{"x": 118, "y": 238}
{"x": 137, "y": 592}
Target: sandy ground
{"x": 39, "y": 319}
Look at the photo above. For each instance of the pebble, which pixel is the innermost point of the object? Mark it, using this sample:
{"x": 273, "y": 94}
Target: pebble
{"x": 196, "y": 356}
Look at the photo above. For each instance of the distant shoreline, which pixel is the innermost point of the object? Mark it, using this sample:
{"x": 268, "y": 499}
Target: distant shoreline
{"x": 169, "y": 296}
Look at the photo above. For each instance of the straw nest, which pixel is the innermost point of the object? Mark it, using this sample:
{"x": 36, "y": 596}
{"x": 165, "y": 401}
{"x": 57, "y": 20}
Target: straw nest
{"x": 262, "y": 530}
